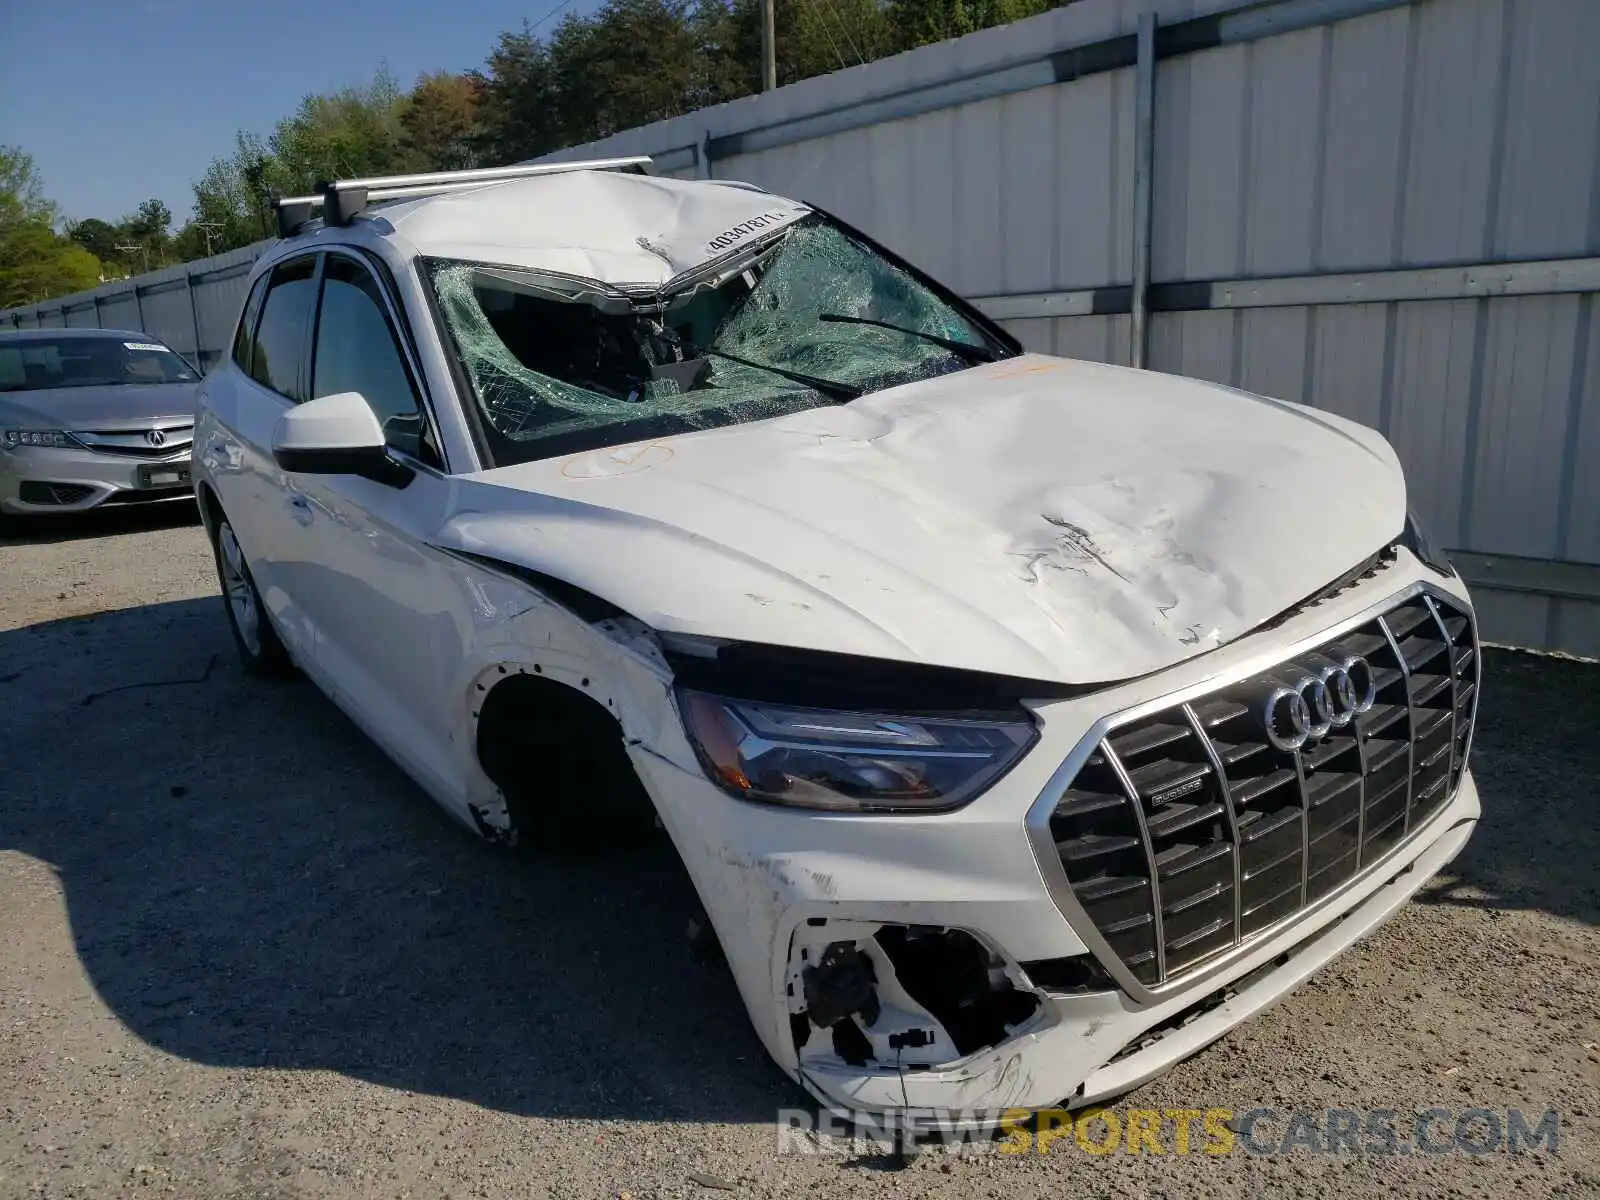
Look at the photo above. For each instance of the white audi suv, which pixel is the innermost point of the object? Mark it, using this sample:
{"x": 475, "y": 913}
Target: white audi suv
{"x": 1023, "y": 723}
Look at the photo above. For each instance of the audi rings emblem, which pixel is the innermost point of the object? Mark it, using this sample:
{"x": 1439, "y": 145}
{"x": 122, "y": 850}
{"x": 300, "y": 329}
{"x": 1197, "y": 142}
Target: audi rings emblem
{"x": 1326, "y": 692}
{"x": 155, "y": 437}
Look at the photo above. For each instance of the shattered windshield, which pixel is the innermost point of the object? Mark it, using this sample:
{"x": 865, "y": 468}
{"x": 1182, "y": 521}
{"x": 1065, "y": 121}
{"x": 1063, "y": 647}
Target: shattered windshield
{"x": 559, "y": 365}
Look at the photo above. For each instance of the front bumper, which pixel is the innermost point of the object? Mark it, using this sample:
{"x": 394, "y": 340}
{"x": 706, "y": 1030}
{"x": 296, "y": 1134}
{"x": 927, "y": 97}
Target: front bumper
{"x": 1095, "y": 1047}
{"x": 45, "y": 480}
{"x": 779, "y": 884}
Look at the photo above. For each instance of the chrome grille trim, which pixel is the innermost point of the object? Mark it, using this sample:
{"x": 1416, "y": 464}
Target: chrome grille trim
{"x": 1340, "y": 767}
{"x": 1455, "y": 690}
{"x": 132, "y": 443}
{"x": 1411, "y": 723}
{"x": 1227, "y": 798}
{"x": 1132, "y": 794}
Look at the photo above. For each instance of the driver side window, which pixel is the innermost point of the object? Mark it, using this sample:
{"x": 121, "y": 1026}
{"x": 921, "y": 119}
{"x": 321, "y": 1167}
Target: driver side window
{"x": 357, "y": 351}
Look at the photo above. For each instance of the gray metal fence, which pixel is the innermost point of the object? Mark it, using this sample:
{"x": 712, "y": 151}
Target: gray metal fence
{"x": 1386, "y": 208}
{"x": 191, "y": 307}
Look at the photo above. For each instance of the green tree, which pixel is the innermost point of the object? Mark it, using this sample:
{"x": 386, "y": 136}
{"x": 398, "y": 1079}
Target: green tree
{"x": 150, "y": 223}
{"x": 631, "y": 63}
{"x": 35, "y": 261}
{"x": 141, "y": 241}
{"x": 144, "y": 237}
{"x": 352, "y": 132}
{"x": 231, "y": 198}
{"x": 517, "y": 101}
{"x": 21, "y": 189}
{"x": 814, "y": 38}
{"x": 439, "y": 122}
{"x": 197, "y": 239}
{"x": 918, "y": 22}
{"x": 636, "y": 61}
{"x": 98, "y": 237}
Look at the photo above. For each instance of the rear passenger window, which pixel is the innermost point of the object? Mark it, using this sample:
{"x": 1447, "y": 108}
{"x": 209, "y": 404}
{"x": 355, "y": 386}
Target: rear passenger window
{"x": 278, "y": 354}
{"x": 246, "y": 337}
{"x": 357, "y": 351}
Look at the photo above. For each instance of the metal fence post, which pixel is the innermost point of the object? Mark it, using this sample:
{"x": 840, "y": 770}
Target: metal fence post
{"x": 138, "y": 309}
{"x": 98, "y": 322}
{"x": 194, "y": 316}
{"x": 702, "y": 155}
{"x": 1144, "y": 148}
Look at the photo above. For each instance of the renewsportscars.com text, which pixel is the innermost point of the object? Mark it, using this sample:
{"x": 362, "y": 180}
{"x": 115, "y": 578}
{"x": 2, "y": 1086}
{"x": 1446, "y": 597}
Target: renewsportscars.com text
{"x": 1178, "y": 1131}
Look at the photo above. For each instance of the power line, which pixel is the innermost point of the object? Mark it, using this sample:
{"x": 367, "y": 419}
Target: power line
{"x": 548, "y": 15}
{"x": 833, "y": 7}
{"x": 828, "y": 33}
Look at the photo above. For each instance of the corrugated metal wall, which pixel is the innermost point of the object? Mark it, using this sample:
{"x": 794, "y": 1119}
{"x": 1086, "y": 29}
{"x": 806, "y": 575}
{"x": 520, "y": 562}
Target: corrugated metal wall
{"x": 190, "y": 307}
{"x": 1385, "y": 208}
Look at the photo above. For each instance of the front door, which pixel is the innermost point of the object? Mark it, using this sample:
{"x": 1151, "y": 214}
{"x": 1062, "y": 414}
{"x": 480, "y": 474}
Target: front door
{"x": 392, "y": 618}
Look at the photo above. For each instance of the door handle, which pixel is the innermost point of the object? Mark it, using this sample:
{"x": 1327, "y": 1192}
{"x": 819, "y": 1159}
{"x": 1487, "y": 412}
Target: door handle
{"x": 299, "y": 508}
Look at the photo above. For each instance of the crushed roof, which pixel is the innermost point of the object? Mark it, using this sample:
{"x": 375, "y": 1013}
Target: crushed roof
{"x": 618, "y": 228}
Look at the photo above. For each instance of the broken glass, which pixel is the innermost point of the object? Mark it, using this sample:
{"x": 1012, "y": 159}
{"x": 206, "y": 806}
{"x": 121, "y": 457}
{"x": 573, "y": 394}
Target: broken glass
{"x": 560, "y": 364}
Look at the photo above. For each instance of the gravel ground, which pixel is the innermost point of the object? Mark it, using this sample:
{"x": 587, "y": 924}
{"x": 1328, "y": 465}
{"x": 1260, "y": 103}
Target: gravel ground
{"x": 244, "y": 957}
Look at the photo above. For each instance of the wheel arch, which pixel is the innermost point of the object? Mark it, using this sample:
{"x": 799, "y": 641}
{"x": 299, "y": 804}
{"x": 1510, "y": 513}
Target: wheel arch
{"x": 550, "y": 740}
{"x": 210, "y": 506}
{"x": 551, "y": 657}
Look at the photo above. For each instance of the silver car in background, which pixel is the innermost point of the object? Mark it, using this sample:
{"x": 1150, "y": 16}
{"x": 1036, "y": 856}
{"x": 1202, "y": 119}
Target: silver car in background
{"x": 92, "y": 417}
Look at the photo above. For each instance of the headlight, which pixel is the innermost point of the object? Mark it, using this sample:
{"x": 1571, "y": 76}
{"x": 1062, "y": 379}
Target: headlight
{"x": 1419, "y": 543}
{"x": 849, "y": 761}
{"x": 38, "y": 437}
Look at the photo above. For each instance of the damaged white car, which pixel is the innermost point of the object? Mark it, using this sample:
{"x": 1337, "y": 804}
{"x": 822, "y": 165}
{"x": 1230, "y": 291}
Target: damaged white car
{"x": 1023, "y": 723}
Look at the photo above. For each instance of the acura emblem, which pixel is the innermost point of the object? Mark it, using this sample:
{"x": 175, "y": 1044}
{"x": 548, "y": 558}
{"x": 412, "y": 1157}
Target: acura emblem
{"x": 1324, "y": 692}
{"x": 155, "y": 437}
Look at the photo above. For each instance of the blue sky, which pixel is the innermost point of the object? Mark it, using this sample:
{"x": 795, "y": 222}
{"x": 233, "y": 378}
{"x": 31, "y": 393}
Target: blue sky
{"x": 121, "y": 101}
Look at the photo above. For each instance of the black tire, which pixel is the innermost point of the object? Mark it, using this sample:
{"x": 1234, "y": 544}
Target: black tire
{"x": 260, "y": 651}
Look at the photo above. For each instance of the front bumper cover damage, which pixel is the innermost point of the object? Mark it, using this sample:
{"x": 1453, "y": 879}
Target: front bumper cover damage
{"x": 907, "y": 995}
{"x": 898, "y": 964}
{"x": 1089, "y": 1048}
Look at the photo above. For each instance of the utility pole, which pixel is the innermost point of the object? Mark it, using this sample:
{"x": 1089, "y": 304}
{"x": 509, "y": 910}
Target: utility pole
{"x": 769, "y": 47}
{"x": 205, "y": 228}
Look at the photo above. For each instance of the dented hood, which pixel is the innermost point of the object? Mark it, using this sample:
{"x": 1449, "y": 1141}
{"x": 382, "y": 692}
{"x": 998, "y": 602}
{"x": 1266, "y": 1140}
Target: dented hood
{"x": 1038, "y": 517}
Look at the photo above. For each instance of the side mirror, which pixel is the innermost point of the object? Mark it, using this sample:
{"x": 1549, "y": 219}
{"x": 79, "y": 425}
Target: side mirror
{"x": 337, "y": 435}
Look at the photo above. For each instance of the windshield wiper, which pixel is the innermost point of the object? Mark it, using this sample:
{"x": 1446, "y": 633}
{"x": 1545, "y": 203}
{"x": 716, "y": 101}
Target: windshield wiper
{"x": 843, "y": 392}
{"x": 828, "y": 387}
{"x": 967, "y": 350}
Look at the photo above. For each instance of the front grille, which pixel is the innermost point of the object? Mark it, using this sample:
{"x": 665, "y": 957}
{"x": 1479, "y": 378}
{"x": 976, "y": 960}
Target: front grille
{"x": 31, "y": 491}
{"x": 176, "y": 443}
{"x": 1188, "y": 831}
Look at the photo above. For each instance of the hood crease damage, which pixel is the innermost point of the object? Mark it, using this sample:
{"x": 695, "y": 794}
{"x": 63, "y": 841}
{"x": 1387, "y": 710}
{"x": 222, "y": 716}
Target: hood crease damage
{"x": 994, "y": 520}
